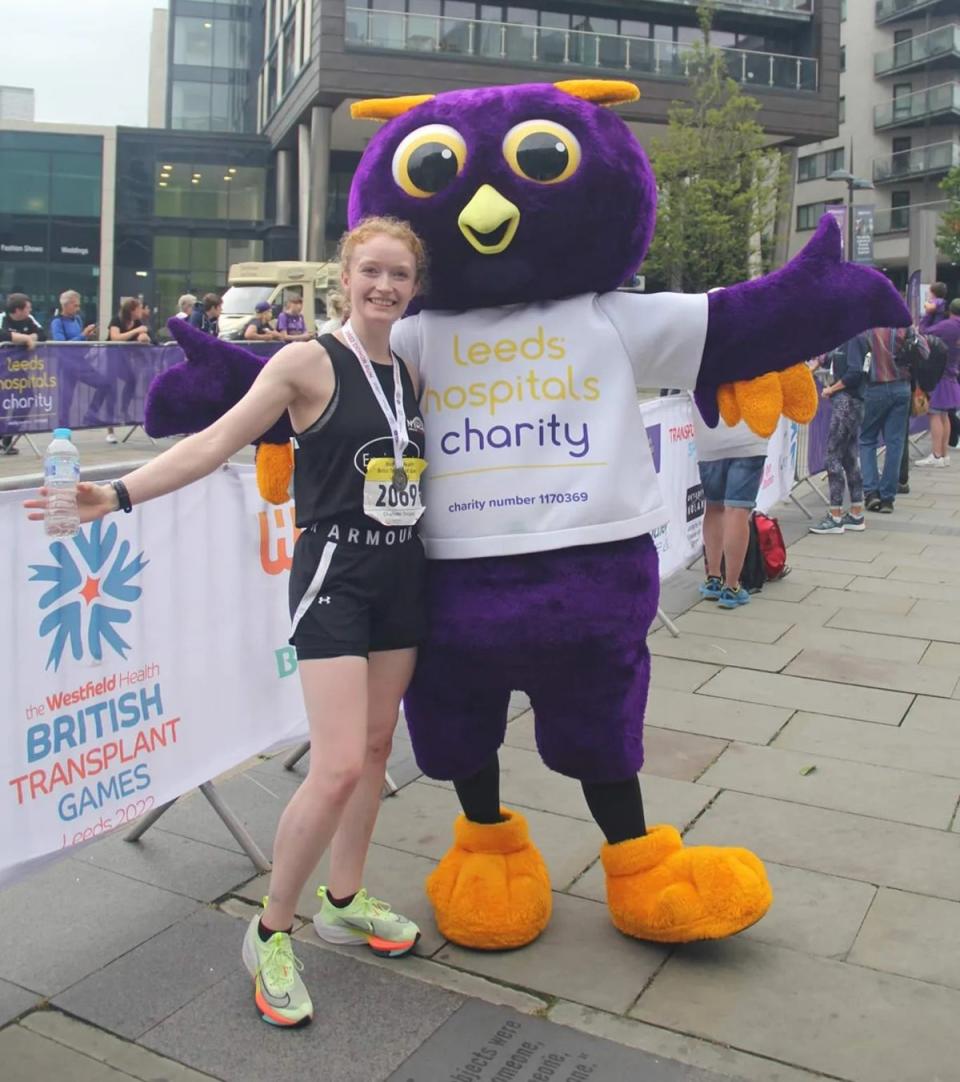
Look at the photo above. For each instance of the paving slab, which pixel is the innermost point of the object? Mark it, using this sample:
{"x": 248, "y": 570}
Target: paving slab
{"x": 878, "y": 568}
{"x": 913, "y": 935}
{"x": 914, "y": 590}
{"x": 744, "y": 628}
{"x": 934, "y": 574}
{"x": 421, "y": 822}
{"x": 817, "y": 696}
{"x": 820, "y": 1014}
{"x": 932, "y": 715}
{"x": 135, "y": 992}
{"x": 912, "y": 626}
{"x": 884, "y": 793}
{"x": 874, "y": 851}
{"x": 716, "y": 650}
{"x": 793, "y": 589}
{"x": 682, "y": 756}
{"x": 858, "y": 643}
{"x": 361, "y": 1032}
{"x": 483, "y": 1042}
{"x": 942, "y": 655}
{"x": 107, "y": 1050}
{"x": 800, "y": 899}
{"x": 195, "y": 869}
{"x": 881, "y": 745}
{"x": 579, "y": 944}
{"x": 837, "y": 599}
{"x": 727, "y": 1062}
{"x": 88, "y": 916}
{"x": 27, "y": 1057}
{"x": 462, "y": 983}
{"x": 391, "y": 874}
{"x": 701, "y": 714}
{"x": 846, "y": 668}
{"x": 680, "y": 675}
{"x": 767, "y": 607}
{"x": 14, "y": 1001}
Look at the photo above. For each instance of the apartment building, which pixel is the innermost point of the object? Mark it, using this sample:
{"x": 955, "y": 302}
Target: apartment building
{"x": 899, "y": 130}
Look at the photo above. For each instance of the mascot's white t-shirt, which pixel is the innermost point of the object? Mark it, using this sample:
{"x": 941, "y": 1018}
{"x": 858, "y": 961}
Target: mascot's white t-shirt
{"x": 533, "y": 436}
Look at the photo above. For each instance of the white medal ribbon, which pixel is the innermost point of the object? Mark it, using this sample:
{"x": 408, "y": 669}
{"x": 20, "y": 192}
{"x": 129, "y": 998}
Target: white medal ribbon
{"x": 398, "y": 422}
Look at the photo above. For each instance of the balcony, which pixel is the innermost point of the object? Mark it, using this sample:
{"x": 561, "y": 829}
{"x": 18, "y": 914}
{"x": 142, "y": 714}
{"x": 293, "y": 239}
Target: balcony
{"x": 890, "y": 11}
{"x": 897, "y": 219}
{"x": 572, "y": 50}
{"x": 937, "y": 48}
{"x": 910, "y": 110}
{"x": 791, "y": 9}
{"x": 916, "y": 163}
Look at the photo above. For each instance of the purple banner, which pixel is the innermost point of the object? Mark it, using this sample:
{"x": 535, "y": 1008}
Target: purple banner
{"x": 819, "y": 427}
{"x": 80, "y": 384}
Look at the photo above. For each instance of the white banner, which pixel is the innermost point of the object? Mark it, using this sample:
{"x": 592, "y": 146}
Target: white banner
{"x": 149, "y": 653}
{"x": 140, "y": 658}
{"x": 669, "y": 424}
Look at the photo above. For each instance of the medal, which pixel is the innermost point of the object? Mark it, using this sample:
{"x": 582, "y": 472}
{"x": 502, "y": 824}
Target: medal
{"x": 400, "y": 478}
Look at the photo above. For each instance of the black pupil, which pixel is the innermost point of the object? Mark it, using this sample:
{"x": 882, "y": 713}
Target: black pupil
{"x": 432, "y": 166}
{"x": 542, "y": 156}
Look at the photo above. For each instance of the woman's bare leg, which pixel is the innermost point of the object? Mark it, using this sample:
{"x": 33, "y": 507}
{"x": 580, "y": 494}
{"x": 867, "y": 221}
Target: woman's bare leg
{"x": 388, "y": 674}
{"x": 335, "y": 693}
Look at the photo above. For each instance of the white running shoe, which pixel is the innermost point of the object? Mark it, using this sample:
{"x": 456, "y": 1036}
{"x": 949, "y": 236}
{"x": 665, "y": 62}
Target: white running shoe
{"x": 279, "y": 993}
{"x": 111, "y": 438}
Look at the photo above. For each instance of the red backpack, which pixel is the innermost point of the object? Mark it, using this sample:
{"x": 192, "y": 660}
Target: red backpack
{"x": 773, "y": 551}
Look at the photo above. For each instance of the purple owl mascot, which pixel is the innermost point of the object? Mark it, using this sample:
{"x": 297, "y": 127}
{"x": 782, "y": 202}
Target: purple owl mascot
{"x": 535, "y": 203}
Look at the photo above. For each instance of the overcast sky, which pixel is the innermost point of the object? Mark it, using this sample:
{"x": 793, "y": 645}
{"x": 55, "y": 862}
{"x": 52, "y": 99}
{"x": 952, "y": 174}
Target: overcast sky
{"x": 87, "y": 60}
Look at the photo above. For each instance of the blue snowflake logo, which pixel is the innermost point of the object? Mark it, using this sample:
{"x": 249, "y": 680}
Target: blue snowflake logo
{"x": 90, "y": 591}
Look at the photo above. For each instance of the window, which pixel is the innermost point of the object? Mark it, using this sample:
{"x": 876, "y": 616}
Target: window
{"x": 842, "y": 111}
{"x": 843, "y": 11}
{"x": 24, "y": 182}
{"x": 809, "y": 214}
{"x": 193, "y": 42}
{"x": 190, "y": 106}
{"x": 901, "y": 100}
{"x": 203, "y": 190}
{"x": 843, "y": 58}
{"x": 814, "y": 166}
{"x": 899, "y": 211}
{"x": 75, "y": 185}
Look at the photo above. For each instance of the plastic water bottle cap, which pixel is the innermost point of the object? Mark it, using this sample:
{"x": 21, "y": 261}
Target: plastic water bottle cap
{"x": 62, "y": 433}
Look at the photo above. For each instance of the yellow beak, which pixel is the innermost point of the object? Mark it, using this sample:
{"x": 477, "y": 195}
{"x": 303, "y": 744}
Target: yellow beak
{"x": 489, "y": 221}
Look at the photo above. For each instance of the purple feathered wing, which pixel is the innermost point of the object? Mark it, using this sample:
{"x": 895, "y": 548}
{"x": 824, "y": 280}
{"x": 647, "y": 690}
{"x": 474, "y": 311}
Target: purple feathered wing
{"x": 193, "y": 394}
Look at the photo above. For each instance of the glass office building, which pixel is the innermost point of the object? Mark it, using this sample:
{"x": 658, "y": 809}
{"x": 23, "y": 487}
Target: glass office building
{"x": 50, "y": 195}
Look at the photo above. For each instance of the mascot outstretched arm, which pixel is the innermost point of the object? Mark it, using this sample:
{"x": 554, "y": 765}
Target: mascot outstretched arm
{"x": 535, "y": 203}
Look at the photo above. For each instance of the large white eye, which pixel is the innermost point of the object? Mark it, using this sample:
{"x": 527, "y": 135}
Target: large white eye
{"x": 428, "y": 159}
{"x": 542, "y": 150}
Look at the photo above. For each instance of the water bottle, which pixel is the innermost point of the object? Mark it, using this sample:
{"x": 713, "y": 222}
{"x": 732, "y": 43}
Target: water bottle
{"x": 61, "y": 469}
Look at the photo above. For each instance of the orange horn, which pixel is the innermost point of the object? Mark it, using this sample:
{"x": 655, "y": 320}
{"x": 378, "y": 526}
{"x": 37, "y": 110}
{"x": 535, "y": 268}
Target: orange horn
{"x": 600, "y": 91}
{"x": 386, "y": 108}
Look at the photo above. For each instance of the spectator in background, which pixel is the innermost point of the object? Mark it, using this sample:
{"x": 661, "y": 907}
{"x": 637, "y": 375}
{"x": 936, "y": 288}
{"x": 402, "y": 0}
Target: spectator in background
{"x": 945, "y": 397}
{"x": 335, "y": 312}
{"x": 18, "y": 327}
{"x": 731, "y": 462}
{"x": 146, "y": 318}
{"x": 258, "y": 329}
{"x": 935, "y": 307}
{"x": 67, "y": 326}
{"x": 206, "y": 317}
{"x": 886, "y": 410}
{"x": 290, "y": 322}
{"x": 126, "y": 326}
{"x": 843, "y": 440}
{"x": 185, "y": 306}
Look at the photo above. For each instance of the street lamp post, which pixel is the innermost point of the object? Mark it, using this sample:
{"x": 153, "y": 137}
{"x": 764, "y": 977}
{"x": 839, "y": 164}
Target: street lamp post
{"x": 854, "y": 184}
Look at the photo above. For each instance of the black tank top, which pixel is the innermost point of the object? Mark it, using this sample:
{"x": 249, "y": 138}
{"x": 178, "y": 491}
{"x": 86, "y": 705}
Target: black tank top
{"x": 331, "y": 455}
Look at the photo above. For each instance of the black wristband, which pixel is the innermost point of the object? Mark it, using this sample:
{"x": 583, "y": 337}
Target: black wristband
{"x": 123, "y": 497}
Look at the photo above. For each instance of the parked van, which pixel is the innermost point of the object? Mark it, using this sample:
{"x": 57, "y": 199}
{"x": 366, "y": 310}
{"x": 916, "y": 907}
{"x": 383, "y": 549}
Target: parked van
{"x": 251, "y": 283}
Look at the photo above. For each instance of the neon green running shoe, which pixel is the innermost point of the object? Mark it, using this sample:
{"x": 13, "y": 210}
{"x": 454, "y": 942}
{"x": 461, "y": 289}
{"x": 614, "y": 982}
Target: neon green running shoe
{"x": 366, "y": 920}
{"x": 280, "y": 994}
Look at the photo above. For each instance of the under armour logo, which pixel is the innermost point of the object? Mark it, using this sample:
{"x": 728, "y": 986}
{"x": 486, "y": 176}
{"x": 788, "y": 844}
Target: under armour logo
{"x": 323, "y": 600}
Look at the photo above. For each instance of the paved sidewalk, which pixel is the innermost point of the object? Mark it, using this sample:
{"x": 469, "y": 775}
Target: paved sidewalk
{"x": 819, "y": 726}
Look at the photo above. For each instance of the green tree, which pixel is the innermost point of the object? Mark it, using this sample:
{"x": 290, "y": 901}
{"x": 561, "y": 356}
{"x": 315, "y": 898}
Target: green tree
{"x": 948, "y": 232}
{"x": 718, "y": 186}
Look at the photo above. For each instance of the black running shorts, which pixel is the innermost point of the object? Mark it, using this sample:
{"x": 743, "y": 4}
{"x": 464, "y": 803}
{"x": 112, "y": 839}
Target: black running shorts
{"x": 350, "y": 596}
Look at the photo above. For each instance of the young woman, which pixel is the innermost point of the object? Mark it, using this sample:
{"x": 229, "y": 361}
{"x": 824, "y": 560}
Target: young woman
{"x": 355, "y": 591}
{"x": 126, "y": 326}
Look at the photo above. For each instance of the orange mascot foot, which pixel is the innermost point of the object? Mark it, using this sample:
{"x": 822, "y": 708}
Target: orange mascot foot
{"x": 491, "y": 891}
{"x": 661, "y": 891}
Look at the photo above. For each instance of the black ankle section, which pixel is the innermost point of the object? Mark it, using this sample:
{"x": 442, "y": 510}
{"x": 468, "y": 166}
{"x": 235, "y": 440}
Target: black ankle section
{"x": 265, "y": 933}
{"x": 340, "y": 903}
{"x": 617, "y": 808}
{"x": 480, "y": 793}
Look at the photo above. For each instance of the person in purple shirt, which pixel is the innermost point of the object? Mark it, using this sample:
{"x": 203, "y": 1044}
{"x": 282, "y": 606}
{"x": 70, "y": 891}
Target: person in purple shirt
{"x": 934, "y": 308}
{"x": 946, "y": 395}
{"x": 290, "y": 322}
